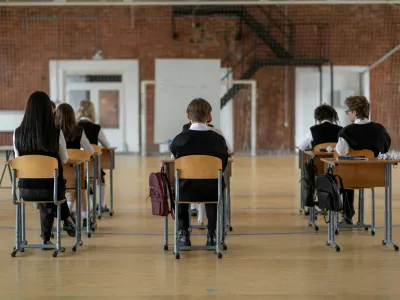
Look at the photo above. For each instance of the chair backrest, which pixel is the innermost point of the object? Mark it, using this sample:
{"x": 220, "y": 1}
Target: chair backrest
{"x": 77, "y": 154}
{"x": 366, "y": 153}
{"x": 318, "y": 147}
{"x": 198, "y": 167}
{"x": 96, "y": 149}
{"x": 34, "y": 166}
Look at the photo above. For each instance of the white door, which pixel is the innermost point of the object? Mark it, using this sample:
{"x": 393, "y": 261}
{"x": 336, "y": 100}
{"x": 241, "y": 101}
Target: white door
{"x": 107, "y": 100}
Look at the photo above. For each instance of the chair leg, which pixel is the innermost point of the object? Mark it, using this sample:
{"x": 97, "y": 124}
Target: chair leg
{"x": 17, "y": 231}
{"x": 166, "y": 233}
{"x": 58, "y": 244}
{"x": 176, "y": 250}
{"x": 218, "y": 231}
{"x": 373, "y": 211}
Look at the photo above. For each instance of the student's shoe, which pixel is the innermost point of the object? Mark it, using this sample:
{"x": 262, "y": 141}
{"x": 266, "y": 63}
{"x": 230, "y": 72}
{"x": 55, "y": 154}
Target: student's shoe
{"x": 46, "y": 243}
{"x": 184, "y": 239}
{"x": 105, "y": 209}
{"x": 194, "y": 212}
{"x": 73, "y": 216}
{"x": 346, "y": 221}
{"x": 69, "y": 228}
{"x": 85, "y": 222}
{"x": 211, "y": 240}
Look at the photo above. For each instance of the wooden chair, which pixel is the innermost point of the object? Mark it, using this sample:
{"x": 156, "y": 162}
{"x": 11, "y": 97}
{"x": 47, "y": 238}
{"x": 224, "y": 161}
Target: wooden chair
{"x": 199, "y": 167}
{"x": 34, "y": 167}
{"x": 360, "y": 224}
{"x": 318, "y": 147}
{"x": 78, "y": 156}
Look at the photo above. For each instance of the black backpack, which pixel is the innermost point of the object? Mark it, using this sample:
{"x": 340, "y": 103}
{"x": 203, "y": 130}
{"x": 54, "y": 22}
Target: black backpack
{"x": 310, "y": 171}
{"x": 328, "y": 193}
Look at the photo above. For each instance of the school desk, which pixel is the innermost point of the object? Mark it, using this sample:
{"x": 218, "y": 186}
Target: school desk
{"x": 108, "y": 163}
{"x": 353, "y": 173}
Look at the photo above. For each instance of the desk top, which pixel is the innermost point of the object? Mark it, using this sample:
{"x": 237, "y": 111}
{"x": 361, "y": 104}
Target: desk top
{"x": 335, "y": 161}
{"x": 321, "y": 154}
{"x": 6, "y": 148}
{"x": 109, "y": 149}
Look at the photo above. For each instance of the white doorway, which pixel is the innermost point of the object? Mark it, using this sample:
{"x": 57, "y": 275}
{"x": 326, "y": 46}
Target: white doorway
{"x": 112, "y": 86}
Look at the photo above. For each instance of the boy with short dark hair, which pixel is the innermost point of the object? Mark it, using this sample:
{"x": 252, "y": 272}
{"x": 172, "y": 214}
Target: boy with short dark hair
{"x": 199, "y": 140}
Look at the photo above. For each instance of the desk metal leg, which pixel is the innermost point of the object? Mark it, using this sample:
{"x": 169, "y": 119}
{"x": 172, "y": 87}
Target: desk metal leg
{"x": 94, "y": 225}
{"x": 228, "y": 198}
{"x": 112, "y": 183}
{"x": 166, "y": 217}
{"x": 78, "y": 236}
{"x": 88, "y": 211}
{"x": 388, "y": 208}
{"x": 331, "y": 231}
{"x": 100, "y": 207}
{"x": 301, "y": 183}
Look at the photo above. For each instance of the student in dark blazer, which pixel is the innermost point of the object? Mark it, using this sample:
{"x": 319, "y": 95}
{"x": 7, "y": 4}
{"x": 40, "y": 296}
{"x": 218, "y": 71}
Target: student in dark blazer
{"x": 86, "y": 117}
{"x": 75, "y": 139}
{"x": 361, "y": 134}
{"x": 325, "y": 130}
{"x": 38, "y": 135}
{"x": 199, "y": 140}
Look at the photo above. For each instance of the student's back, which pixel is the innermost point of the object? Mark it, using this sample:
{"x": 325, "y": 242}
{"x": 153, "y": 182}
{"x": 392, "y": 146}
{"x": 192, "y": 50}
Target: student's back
{"x": 193, "y": 142}
{"x": 371, "y": 136}
{"x": 326, "y": 132}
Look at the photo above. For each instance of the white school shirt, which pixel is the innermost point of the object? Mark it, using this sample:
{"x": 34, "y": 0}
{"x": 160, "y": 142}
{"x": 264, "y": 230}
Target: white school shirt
{"x": 102, "y": 137}
{"x": 205, "y": 127}
{"x": 307, "y": 142}
{"x": 62, "y": 148}
{"x": 342, "y": 147}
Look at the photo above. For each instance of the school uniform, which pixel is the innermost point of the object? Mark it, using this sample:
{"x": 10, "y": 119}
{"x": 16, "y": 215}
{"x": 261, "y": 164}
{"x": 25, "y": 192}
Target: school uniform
{"x": 187, "y": 126}
{"x": 95, "y": 135}
{"x": 199, "y": 140}
{"x": 29, "y": 188}
{"x": 362, "y": 134}
{"x": 80, "y": 141}
{"x": 326, "y": 132}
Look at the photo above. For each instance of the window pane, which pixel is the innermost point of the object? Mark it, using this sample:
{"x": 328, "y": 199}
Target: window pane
{"x": 75, "y": 97}
{"x": 109, "y": 108}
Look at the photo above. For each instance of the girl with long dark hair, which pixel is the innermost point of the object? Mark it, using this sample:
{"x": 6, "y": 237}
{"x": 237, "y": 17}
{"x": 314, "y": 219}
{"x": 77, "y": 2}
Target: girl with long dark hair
{"x": 37, "y": 135}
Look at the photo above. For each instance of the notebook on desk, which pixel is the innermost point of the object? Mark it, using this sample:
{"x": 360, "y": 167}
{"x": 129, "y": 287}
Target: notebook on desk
{"x": 352, "y": 158}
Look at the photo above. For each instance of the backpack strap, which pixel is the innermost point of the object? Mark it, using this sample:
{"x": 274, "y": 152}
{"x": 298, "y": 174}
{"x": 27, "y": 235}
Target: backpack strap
{"x": 341, "y": 188}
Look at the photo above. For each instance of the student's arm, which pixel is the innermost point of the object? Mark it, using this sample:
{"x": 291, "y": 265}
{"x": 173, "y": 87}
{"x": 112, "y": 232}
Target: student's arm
{"x": 86, "y": 144}
{"x": 306, "y": 143}
{"x": 386, "y": 140}
{"x": 342, "y": 147}
{"x": 220, "y": 133}
{"x": 225, "y": 156}
{"x": 16, "y": 153}
{"x": 62, "y": 148}
{"x": 173, "y": 148}
{"x": 103, "y": 140}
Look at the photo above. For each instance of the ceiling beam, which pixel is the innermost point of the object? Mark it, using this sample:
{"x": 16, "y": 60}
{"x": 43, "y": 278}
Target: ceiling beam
{"x": 189, "y": 2}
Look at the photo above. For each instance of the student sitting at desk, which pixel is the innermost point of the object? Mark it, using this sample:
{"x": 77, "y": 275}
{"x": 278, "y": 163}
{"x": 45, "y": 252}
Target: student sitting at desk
{"x": 37, "y": 135}
{"x": 199, "y": 140}
{"x": 75, "y": 139}
{"x": 326, "y": 129}
{"x": 86, "y": 119}
{"x": 362, "y": 134}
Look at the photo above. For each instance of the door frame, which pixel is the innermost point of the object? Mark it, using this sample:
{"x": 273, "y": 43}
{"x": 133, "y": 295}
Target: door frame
{"x": 128, "y": 68}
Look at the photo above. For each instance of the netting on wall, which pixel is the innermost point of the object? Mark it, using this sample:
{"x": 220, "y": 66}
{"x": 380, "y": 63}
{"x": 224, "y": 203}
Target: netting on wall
{"x": 262, "y": 43}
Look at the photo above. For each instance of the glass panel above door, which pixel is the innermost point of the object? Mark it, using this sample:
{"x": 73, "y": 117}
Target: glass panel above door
{"x": 75, "y": 78}
{"x": 109, "y": 109}
{"x": 74, "y": 97}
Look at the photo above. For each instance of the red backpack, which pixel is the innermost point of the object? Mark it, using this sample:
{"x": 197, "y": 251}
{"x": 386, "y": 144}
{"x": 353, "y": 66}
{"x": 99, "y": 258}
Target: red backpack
{"x": 159, "y": 189}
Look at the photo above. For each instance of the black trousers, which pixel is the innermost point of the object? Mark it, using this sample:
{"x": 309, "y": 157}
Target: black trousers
{"x": 348, "y": 204}
{"x": 47, "y": 214}
{"x": 211, "y": 211}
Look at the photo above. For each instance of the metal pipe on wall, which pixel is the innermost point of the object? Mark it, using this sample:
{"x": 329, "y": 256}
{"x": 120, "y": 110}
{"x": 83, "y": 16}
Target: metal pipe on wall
{"x": 195, "y": 3}
{"x": 332, "y": 84}
{"x": 320, "y": 85}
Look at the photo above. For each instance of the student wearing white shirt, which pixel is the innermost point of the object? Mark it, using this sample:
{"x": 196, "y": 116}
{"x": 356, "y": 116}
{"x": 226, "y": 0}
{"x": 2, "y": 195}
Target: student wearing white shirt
{"x": 38, "y": 135}
{"x": 326, "y": 129}
{"x": 86, "y": 117}
{"x": 362, "y": 134}
{"x": 75, "y": 139}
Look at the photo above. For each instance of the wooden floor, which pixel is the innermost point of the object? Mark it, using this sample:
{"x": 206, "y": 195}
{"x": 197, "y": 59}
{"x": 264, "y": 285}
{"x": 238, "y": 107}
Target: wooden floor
{"x": 273, "y": 253}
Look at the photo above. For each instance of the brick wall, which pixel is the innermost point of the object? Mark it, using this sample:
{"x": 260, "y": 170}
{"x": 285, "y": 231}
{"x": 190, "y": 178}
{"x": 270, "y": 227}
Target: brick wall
{"x": 359, "y": 35}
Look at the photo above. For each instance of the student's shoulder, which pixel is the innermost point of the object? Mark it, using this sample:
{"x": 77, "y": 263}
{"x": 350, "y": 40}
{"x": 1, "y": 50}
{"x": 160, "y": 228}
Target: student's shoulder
{"x": 347, "y": 129}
